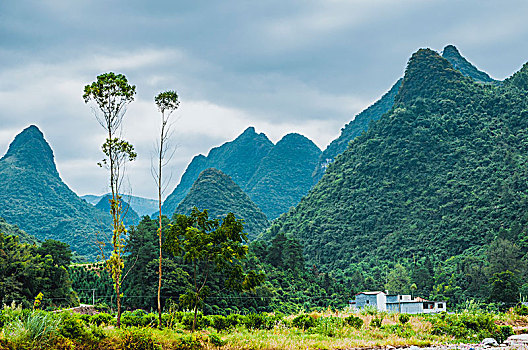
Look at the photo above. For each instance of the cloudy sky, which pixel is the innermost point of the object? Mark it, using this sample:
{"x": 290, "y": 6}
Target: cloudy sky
{"x": 280, "y": 66}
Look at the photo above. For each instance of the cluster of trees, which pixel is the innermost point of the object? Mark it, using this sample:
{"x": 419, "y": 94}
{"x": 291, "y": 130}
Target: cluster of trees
{"x": 288, "y": 285}
{"x": 28, "y": 269}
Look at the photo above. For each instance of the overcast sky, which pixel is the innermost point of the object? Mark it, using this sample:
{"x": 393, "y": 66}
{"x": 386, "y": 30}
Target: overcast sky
{"x": 280, "y": 66}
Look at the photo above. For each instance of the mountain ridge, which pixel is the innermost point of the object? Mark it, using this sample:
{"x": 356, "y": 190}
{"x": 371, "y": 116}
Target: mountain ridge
{"x": 35, "y": 198}
{"x": 219, "y": 194}
{"x": 438, "y": 175}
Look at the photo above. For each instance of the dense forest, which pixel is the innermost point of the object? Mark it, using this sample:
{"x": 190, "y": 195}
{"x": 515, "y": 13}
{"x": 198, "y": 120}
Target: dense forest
{"x": 437, "y": 178}
{"x": 275, "y": 177}
{"x": 220, "y": 195}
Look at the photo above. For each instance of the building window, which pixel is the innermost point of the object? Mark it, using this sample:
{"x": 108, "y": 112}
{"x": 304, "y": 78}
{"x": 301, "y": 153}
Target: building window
{"x": 440, "y": 306}
{"x": 367, "y": 302}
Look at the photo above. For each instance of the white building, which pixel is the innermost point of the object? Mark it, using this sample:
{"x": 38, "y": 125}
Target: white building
{"x": 397, "y": 303}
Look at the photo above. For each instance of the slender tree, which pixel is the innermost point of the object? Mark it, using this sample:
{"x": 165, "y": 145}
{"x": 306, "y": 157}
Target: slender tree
{"x": 111, "y": 94}
{"x": 167, "y": 103}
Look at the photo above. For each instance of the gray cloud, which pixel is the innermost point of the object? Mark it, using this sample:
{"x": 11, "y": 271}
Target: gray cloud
{"x": 282, "y": 66}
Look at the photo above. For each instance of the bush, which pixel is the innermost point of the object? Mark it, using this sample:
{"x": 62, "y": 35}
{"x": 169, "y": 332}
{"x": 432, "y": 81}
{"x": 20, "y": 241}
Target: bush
{"x": 31, "y": 327}
{"x": 304, "y": 321}
{"x": 102, "y": 318}
{"x": 138, "y": 339}
{"x": 467, "y": 325}
{"x": 376, "y": 322}
{"x": 216, "y": 340}
{"x": 234, "y": 320}
{"x": 218, "y": 322}
{"x": 400, "y": 330}
{"x": 187, "y": 319}
{"x": 404, "y": 318}
{"x": 330, "y": 326}
{"x": 354, "y": 321}
{"x": 72, "y": 327}
{"x": 521, "y": 310}
{"x": 259, "y": 321}
{"x": 187, "y": 342}
{"x": 503, "y": 332}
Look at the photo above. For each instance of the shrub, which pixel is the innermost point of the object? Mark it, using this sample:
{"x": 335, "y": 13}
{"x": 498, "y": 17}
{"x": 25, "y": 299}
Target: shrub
{"x": 354, "y": 321}
{"x": 218, "y": 322}
{"x": 467, "y": 325}
{"x": 259, "y": 321}
{"x": 376, "y": 322}
{"x": 304, "y": 321}
{"x": 503, "y": 332}
{"x": 216, "y": 340}
{"x": 138, "y": 339}
{"x": 329, "y": 326}
{"x": 404, "y": 318}
{"x": 521, "y": 310}
{"x": 72, "y": 327}
{"x": 30, "y": 328}
{"x": 187, "y": 320}
{"x": 102, "y": 318}
{"x": 187, "y": 342}
{"x": 234, "y": 320}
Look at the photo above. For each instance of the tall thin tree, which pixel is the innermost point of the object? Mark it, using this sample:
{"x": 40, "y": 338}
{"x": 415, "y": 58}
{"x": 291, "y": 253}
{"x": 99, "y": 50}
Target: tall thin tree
{"x": 111, "y": 94}
{"x": 167, "y": 103}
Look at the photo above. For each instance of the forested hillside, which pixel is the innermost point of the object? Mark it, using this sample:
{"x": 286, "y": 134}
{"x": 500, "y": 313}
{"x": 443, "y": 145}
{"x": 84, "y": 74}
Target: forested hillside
{"x": 284, "y": 175}
{"x": 354, "y": 128}
{"x": 438, "y": 176}
{"x": 274, "y": 176}
{"x": 219, "y": 194}
{"x": 239, "y": 159}
{"x": 361, "y": 122}
{"x": 13, "y": 230}
{"x": 34, "y": 198}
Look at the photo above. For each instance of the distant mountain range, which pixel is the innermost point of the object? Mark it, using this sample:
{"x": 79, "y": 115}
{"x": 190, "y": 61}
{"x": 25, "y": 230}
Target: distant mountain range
{"x": 35, "y": 198}
{"x": 129, "y": 216}
{"x": 140, "y": 205}
{"x": 274, "y": 176}
{"x": 219, "y": 194}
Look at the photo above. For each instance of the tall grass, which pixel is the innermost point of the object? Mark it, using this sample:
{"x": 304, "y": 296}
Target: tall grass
{"x": 32, "y": 328}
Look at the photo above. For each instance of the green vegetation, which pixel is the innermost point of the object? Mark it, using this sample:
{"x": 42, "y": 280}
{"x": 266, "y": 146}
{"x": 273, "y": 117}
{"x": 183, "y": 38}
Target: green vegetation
{"x": 13, "y": 230}
{"x": 216, "y": 192}
{"x": 354, "y": 128}
{"x": 142, "y": 206}
{"x": 361, "y": 122}
{"x": 209, "y": 246}
{"x": 111, "y": 94}
{"x": 289, "y": 285}
{"x": 130, "y": 217}
{"x": 274, "y": 176}
{"x": 431, "y": 186}
{"x": 34, "y": 198}
{"x": 284, "y": 175}
{"x": 26, "y": 329}
{"x": 27, "y": 270}
{"x": 239, "y": 159}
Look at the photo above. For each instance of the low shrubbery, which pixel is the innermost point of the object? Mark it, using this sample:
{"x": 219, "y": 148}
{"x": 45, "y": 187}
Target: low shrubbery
{"x": 473, "y": 326}
{"x": 28, "y": 329}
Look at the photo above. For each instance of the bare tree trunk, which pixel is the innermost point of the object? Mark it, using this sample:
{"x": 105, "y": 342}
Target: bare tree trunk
{"x": 160, "y": 184}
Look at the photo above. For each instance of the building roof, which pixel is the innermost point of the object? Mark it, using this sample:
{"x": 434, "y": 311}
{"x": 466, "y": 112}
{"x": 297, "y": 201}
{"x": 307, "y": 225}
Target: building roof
{"x": 369, "y": 293}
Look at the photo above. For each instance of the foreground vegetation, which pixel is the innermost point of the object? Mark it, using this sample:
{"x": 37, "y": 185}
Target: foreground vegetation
{"x": 37, "y": 329}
